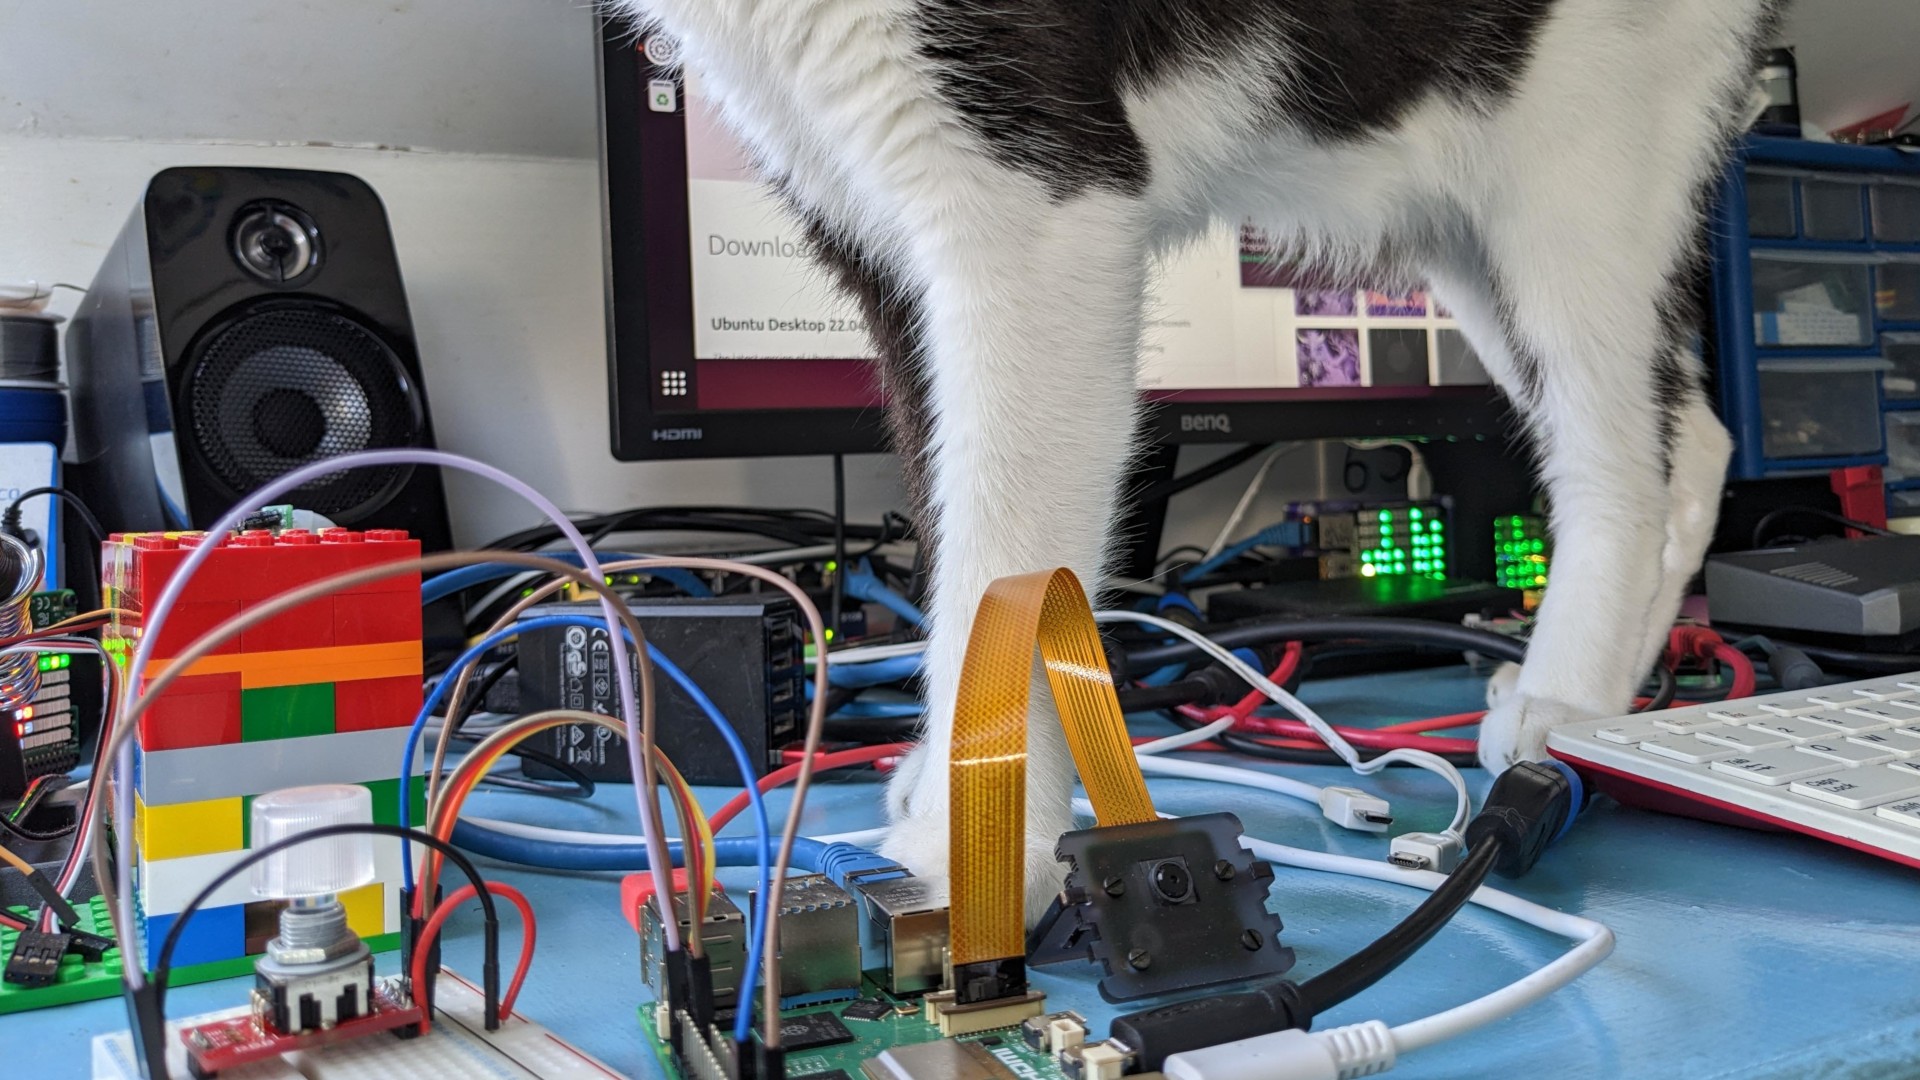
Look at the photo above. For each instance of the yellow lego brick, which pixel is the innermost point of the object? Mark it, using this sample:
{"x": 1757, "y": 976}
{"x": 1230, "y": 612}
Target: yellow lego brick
{"x": 177, "y": 830}
{"x": 366, "y": 909}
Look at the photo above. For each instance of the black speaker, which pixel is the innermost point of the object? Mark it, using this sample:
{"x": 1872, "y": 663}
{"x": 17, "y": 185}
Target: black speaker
{"x": 245, "y": 323}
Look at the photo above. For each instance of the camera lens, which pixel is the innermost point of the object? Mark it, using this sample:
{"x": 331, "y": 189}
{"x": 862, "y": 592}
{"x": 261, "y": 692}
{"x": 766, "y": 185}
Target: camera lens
{"x": 1172, "y": 882}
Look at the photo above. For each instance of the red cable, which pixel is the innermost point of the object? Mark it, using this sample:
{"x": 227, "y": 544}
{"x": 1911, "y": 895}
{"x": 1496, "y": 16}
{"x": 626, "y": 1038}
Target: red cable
{"x": 1289, "y": 663}
{"x": 839, "y": 759}
{"x": 1743, "y": 676}
{"x": 528, "y": 931}
{"x": 1437, "y": 723}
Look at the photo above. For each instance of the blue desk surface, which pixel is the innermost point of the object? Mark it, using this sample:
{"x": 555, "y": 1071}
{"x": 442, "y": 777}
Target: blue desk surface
{"x": 1741, "y": 954}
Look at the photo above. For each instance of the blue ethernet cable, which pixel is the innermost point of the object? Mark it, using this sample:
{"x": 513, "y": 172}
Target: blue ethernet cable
{"x": 441, "y": 586}
{"x": 762, "y": 826}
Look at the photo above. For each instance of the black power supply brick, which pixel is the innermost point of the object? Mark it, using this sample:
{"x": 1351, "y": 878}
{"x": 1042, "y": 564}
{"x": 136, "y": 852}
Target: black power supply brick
{"x": 745, "y": 652}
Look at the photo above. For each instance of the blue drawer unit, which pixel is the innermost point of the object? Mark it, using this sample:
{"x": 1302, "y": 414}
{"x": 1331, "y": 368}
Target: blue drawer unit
{"x": 1816, "y": 293}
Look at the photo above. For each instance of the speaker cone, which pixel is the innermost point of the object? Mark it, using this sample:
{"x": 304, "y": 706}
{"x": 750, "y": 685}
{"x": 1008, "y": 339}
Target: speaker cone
{"x": 284, "y": 384}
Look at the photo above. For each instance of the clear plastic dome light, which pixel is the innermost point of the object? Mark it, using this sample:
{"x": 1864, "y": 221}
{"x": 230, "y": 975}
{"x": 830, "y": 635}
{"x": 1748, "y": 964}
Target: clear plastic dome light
{"x": 318, "y": 867}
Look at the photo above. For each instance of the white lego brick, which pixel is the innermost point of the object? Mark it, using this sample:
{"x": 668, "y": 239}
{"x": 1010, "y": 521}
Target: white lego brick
{"x": 250, "y": 768}
{"x": 165, "y": 886}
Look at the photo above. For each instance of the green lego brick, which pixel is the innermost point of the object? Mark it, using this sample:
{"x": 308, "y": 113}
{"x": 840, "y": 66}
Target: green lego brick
{"x": 386, "y": 801}
{"x": 286, "y": 712}
{"x": 83, "y": 981}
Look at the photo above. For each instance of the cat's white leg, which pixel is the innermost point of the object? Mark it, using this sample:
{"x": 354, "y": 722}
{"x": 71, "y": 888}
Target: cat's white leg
{"x": 1586, "y": 338}
{"x": 1700, "y": 450}
{"x": 1030, "y": 322}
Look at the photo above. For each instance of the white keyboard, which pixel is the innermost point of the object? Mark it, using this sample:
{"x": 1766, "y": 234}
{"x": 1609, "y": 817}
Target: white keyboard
{"x": 1841, "y": 762}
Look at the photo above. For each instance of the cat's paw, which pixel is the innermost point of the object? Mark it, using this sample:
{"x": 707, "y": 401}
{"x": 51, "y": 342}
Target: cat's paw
{"x": 922, "y": 844}
{"x": 1504, "y": 685}
{"x": 1516, "y": 727}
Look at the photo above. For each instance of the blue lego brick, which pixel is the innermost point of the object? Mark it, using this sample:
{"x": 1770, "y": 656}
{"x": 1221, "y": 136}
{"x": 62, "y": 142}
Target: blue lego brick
{"x": 213, "y": 934}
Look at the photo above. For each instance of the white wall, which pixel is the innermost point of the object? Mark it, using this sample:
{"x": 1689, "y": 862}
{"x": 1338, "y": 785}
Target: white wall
{"x": 474, "y": 119}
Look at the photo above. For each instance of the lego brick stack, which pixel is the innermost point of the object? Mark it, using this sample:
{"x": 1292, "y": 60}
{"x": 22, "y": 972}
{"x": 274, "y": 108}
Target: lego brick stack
{"x": 322, "y": 694}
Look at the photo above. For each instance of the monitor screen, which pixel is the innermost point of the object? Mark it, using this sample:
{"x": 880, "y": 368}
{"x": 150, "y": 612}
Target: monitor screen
{"x": 727, "y": 340}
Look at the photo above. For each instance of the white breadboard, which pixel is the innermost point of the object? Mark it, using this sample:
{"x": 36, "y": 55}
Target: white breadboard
{"x": 458, "y": 1046}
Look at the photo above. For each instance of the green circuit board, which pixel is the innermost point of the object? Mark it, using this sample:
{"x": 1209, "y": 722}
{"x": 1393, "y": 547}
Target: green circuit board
{"x": 904, "y": 1024}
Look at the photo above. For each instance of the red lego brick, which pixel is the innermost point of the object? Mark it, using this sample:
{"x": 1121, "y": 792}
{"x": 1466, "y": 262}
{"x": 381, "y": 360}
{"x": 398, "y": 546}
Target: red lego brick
{"x": 367, "y": 704}
{"x": 309, "y": 626}
{"x": 200, "y": 710}
{"x": 372, "y": 618}
{"x": 187, "y": 621}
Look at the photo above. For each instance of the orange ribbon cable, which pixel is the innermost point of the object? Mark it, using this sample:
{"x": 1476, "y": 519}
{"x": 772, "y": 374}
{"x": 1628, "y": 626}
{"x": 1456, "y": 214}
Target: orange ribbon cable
{"x": 986, "y": 860}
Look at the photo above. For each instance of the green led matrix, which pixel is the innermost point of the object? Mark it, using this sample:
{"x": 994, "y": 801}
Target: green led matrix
{"x": 1520, "y": 552}
{"x": 1401, "y": 541}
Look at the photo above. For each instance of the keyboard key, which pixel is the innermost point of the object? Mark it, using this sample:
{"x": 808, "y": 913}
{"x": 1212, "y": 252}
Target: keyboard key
{"x": 1905, "y": 704}
{"x": 1792, "y": 706}
{"x": 1745, "y": 738}
{"x": 1846, "y": 721}
{"x": 1906, "y": 813}
{"x": 1840, "y": 699}
{"x": 1888, "y": 741}
{"x": 1887, "y": 714}
{"x": 1737, "y": 714}
{"x": 1860, "y": 788}
{"x": 1847, "y": 752}
{"x": 1688, "y": 748}
{"x": 1883, "y": 691}
{"x": 1795, "y": 730}
{"x": 1909, "y": 684}
{"x": 1905, "y": 766}
{"x": 1628, "y": 732}
{"x": 1681, "y": 723}
{"x": 1907, "y": 739}
{"x": 1773, "y": 768}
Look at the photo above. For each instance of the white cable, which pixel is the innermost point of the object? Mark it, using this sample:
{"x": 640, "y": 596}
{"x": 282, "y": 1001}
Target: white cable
{"x": 1431, "y": 762}
{"x": 1227, "y": 774}
{"x": 1246, "y": 498}
{"x": 1593, "y": 942}
{"x": 861, "y": 654}
{"x": 1185, "y": 738}
{"x": 1419, "y": 480}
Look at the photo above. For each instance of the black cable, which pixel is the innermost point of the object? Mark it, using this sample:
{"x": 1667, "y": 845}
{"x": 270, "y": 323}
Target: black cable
{"x": 1663, "y": 694}
{"x": 1349, "y": 977}
{"x": 163, "y": 963}
{"x": 871, "y": 729}
{"x": 1223, "y": 464}
{"x": 10, "y": 519}
{"x": 1868, "y": 663}
{"x": 34, "y": 835}
{"x": 1450, "y": 636}
{"x": 1188, "y": 691}
{"x": 839, "y": 595}
{"x": 1760, "y": 527}
{"x": 476, "y": 695}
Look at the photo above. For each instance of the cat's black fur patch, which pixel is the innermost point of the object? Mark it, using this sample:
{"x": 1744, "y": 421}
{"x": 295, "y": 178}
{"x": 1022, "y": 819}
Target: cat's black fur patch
{"x": 893, "y": 321}
{"x": 1042, "y": 81}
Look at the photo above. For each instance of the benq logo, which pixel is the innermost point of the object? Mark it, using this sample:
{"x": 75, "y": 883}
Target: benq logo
{"x": 1207, "y": 422}
{"x": 677, "y": 434}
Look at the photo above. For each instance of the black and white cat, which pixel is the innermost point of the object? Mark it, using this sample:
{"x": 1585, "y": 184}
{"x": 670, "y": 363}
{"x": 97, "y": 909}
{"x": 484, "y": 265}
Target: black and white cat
{"x": 993, "y": 178}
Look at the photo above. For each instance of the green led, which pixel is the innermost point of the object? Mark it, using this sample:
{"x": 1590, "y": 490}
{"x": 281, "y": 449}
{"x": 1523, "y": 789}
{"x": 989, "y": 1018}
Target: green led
{"x": 1414, "y": 513}
{"x": 1417, "y": 527}
{"x": 1386, "y": 515}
